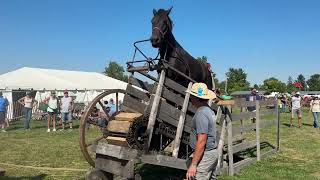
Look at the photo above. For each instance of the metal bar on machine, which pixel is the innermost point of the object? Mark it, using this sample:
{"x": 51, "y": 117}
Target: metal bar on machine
{"x": 154, "y": 108}
{"x": 182, "y": 118}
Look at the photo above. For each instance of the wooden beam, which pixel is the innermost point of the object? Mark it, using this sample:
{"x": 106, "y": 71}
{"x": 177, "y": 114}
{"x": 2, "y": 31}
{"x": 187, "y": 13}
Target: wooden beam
{"x": 125, "y": 116}
{"x": 143, "y": 85}
{"x": 243, "y": 115}
{"x": 175, "y": 86}
{"x": 154, "y": 108}
{"x": 258, "y": 130}
{"x": 166, "y": 161}
{"x": 118, "y": 141}
{"x": 134, "y": 104}
{"x": 119, "y": 126}
{"x": 230, "y": 143}
{"x": 243, "y": 146}
{"x": 278, "y": 128}
{"x": 180, "y": 126}
{"x": 241, "y": 164}
{"x": 118, "y": 152}
{"x": 137, "y": 93}
{"x": 236, "y": 129}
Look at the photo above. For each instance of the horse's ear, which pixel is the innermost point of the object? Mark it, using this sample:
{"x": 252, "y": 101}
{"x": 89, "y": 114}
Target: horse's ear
{"x": 154, "y": 11}
{"x": 169, "y": 10}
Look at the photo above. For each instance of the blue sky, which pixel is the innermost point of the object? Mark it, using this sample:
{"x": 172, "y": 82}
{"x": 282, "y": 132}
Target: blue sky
{"x": 264, "y": 37}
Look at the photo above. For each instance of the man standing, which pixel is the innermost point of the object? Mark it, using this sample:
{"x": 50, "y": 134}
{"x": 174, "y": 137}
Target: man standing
{"x": 296, "y": 104}
{"x": 253, "y": 97}
{"x": 203, "y": 136}
{"x": 66, "y": 106}
{"x": 112, "y": 107}
{"x": 3, "y": 109}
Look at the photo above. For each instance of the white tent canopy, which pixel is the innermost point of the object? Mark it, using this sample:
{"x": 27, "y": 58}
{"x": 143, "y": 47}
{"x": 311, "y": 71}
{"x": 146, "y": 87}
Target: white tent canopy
{"x": 50, "y": 79}
{"x": 83, "y": 85}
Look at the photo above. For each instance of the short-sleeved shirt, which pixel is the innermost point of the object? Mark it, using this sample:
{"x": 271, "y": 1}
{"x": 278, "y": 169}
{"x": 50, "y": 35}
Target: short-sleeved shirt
{"x": 65, "y": 104}
{"x": 204, "y": 121}
{"x": 296, "y": 102}
{"x": 113, "y": 108}
{"x": 3, "y": 104}
{"x": 315, "y": 105}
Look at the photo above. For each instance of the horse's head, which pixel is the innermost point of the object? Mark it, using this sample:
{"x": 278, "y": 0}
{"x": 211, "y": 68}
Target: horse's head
{"x": 161, "y": 25}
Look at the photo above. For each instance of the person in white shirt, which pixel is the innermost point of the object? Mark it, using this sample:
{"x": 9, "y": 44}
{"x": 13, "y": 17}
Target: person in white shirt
{"x": 315, "y": 109}
{"x": 28, "y": 102}
{"x": 52, "y": 109}
{"x": 296, "y": 104}
{"x": 66, "y": 107}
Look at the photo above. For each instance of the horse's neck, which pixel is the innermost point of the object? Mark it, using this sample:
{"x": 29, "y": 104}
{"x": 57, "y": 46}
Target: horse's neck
{"x": 171, "y": 48}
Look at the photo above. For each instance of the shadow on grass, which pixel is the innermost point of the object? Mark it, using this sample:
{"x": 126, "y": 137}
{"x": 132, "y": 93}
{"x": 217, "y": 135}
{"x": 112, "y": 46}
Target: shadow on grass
{"x": 152, "y": 172}
{"x": 38, "y": 177}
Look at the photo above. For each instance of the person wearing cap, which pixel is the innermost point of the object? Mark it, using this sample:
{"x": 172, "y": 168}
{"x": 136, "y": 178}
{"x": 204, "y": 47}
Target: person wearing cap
{"x": 315, "y": 109}
{"x": 203, "y": 135}
{"x": 28, "y": 102}
{"x": 66, "y": 107}
{"x": 296, "y": 104}
{"x": 3, "y": 109}
{"x": 52, "y": 109}
{"x": 253, "y": 96}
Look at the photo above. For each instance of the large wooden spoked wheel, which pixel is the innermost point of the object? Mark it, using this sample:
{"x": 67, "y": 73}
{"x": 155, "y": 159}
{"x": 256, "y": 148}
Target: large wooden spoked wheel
{"x": 91, "y": 130}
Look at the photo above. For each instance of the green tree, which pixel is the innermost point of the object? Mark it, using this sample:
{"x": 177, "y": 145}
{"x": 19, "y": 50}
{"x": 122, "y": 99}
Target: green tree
{"x": 273, "y": 84}
{"x": 116, "y": 71}
{"x": 290, "y": 85}
{"x": 237, "y": 80}
{"x": 314, "y": 82}
{"x": 256, "y": 86}
{"x": 302, "y": 80}
{"x": 203, "y": 59}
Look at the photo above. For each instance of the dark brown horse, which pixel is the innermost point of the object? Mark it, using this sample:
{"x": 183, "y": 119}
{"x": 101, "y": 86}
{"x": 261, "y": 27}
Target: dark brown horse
{"x": 171, "y": 51}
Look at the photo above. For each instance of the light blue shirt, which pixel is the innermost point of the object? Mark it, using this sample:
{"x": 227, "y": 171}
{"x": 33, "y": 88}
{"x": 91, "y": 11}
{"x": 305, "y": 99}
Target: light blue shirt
{"x": 3, "y": 104}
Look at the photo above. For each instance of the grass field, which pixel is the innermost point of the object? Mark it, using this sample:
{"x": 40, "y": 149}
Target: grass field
{"x": 37, "y": 154}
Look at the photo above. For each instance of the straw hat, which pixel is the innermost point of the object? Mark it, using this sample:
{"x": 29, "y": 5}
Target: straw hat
{"x": 201, "y": 90}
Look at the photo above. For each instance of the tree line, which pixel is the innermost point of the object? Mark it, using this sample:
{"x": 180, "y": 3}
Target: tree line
{"x": 236, "y": 80}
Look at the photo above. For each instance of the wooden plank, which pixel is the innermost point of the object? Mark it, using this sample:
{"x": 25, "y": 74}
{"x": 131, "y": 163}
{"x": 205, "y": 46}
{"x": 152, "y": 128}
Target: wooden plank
{"x": 242, "y": 103}
{"x": 268, "y": 112}
{"x": 243, "y": 115}
{"x": 137, "y": 93}
{"x": 175, "y": 86}
{"x": 268, "y": 102}
{"x": 119, "y": 126}
{"x": 169, "y": 110}
{"x": 180, "y": 126}
{"x": 269, "y": 153}
{"x": 143, "y": 85}
{"x": 278, "y": 128}
{"x": 236, "y": 129}
{"x": 226, "y": 102}
{"x": 154, "y": 107}
{"x": 134, "y": 104}
{"x": 118, "y": 141}
{"x": 164, "y": 117}
{"x": 221, "y": 142}
{"x": 126, "y": 116}
{"x": 177, "y": 99}
{"x": 117, "y": 167}
{"x": 241, "y": 164}
{"x": 230, "y": 143}
{"x": 166, "y": 161}
{"x": 243, "y": 146}
{"x": 118, "y": 152}
{"x": 258, "y": 130}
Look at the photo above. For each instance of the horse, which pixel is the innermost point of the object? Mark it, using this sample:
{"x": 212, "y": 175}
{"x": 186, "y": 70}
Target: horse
{"x": 171, "y": 51}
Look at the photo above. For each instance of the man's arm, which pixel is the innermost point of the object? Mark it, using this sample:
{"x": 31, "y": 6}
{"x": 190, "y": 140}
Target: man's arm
{"x": 21, "y": 101}
{"x": 200, "y": 146}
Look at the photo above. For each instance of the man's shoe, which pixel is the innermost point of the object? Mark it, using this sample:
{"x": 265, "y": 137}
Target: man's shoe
{"x": 3, "y": 130}
{"x": 54, "y": 130}
{"x": 48, "y": 130}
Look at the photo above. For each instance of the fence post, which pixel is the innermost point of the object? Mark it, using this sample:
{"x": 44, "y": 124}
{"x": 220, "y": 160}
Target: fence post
{"x": 278, "y": 126}
{"x": 230, "y": 142}
{"x": 258, "y": 129}
{"x": 221, "y": 140}
{"x": 180, "y": 127}
{"x": 154, "y": 108}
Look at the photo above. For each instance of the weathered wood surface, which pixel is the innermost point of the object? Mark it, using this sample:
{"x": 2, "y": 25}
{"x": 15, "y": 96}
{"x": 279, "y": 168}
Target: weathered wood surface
{"x": 177, "y": 99}
{"x": 154, "y": 107}
{"x": 241, "y": 164}
{"x": 119, "y": 126}
{"x": 226, "y": 102}
{"x": 243, "y": 146}
{"x": 115, "y": 166}
{"x": 243, "y": 115}
{"x": 230, "y": 142}
{"x": 169, "y": 110}
{"x": 236, "y": 129}
{"x": 134, "y": 104}
{"x": 118, "y": 152}
{"x": 167, "y": 161}
{"x": 175, "y": 86}
{"x": 137, "y": 93}
{"x": 125, "y": 116}
{"x": 258, "y": 130}
{"x": 278, "y": 128}
{"x": 263, "y": 103}
{"x": 118, "y": 141}
{"x": 143, "y": 85}
{"x": 180, "y": 127}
